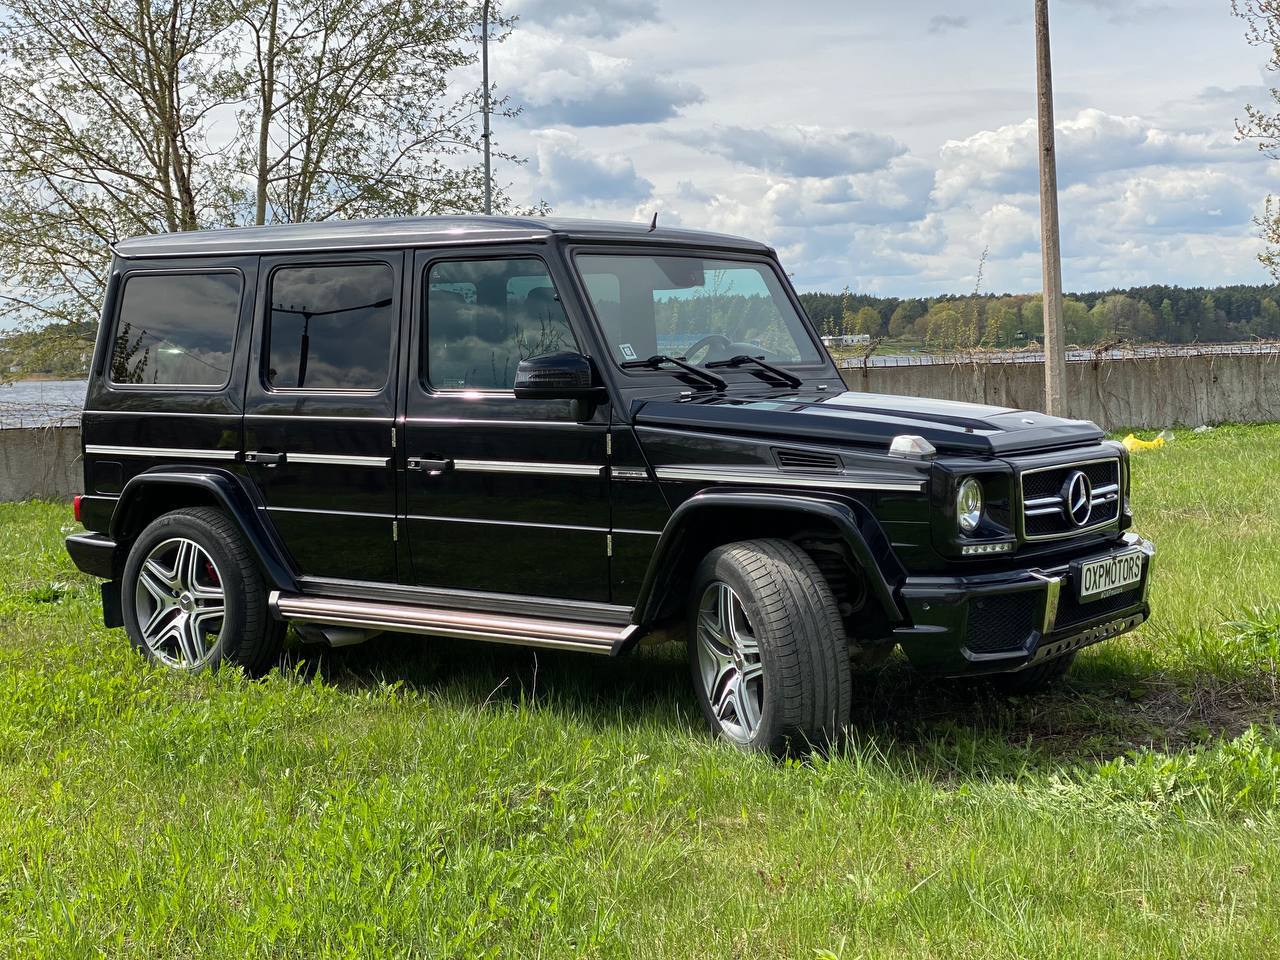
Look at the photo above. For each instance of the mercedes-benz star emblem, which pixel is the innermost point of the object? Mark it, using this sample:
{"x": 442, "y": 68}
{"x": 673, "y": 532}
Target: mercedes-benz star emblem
{"x": 1077, "y": 498}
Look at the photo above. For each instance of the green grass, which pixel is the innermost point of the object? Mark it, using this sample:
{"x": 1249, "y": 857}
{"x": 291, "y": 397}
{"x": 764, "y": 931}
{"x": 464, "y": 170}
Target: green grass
{"x": 431, "y": 798}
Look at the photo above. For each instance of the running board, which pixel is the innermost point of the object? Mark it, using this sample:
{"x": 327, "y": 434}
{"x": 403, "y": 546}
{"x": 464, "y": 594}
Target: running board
{"x": 607, "y": 640}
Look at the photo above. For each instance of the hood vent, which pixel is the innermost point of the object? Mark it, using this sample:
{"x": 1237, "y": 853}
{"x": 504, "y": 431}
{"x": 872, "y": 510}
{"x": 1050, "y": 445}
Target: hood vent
{"x": 807, "y": 460}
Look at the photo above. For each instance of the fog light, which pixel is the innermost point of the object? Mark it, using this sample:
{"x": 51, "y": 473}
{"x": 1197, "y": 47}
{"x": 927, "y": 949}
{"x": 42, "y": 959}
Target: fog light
{"x": 969, "y": 505}
{"x": 982, "y": 549}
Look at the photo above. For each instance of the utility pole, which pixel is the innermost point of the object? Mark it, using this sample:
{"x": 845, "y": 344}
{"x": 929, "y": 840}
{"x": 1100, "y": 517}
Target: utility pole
{"x": 1055, "y": 348}
{"x": 488, "y": 153}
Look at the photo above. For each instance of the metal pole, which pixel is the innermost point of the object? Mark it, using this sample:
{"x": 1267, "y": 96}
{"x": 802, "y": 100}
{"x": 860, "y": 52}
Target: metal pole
{"x": 1055, "y": 349}
{"x": 488, "y": 158}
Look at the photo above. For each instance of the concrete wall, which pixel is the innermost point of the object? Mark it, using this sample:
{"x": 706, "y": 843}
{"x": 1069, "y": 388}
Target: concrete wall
{"x": 40, "y": 463}
{"x": 1146, "y": 392}
{"x": 1140, "y": 392}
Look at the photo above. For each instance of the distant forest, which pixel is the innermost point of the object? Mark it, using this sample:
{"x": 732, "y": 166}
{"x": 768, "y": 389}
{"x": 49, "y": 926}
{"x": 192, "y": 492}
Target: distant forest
{"x": 1156, "y": 314}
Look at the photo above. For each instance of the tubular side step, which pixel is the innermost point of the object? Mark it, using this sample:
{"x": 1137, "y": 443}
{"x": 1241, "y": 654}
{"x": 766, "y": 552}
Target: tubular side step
{"x": 467, "y": 624}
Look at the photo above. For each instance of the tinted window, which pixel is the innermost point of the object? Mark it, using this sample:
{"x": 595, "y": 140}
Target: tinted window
{"x": 485, "y": 316}
{"x": 176, "y": 329}
{"x": 330, "y": 327}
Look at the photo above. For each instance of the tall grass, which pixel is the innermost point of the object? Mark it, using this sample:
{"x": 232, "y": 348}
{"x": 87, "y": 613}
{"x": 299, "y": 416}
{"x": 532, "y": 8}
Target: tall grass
{"x": 432, "y": 798}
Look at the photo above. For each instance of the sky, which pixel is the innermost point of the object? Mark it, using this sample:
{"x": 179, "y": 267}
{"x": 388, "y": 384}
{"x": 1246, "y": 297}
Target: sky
{"x": 885, "y": 146}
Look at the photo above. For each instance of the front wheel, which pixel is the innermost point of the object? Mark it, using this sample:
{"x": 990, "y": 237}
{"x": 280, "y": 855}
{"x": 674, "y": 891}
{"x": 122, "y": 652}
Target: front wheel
{"x": 767, "y": 648}
{"x": 193, "y": 596}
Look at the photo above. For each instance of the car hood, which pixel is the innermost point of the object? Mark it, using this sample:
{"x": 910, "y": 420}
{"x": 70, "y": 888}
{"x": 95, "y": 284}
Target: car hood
{"x": 871, "y": 420}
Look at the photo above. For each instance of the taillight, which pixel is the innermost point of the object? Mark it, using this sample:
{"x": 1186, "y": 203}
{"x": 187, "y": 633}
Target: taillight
{"x": 75, "y": 507}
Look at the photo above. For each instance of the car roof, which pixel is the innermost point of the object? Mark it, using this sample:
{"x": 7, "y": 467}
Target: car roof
{"x": 413, "y": 231}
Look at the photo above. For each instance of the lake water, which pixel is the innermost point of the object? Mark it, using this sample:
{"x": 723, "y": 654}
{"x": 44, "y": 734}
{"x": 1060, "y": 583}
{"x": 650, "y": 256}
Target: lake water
{"x": 41, "y": 403}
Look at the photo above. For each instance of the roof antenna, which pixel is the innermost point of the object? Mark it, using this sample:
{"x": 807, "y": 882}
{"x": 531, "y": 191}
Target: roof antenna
{"x": 653, "y": 224}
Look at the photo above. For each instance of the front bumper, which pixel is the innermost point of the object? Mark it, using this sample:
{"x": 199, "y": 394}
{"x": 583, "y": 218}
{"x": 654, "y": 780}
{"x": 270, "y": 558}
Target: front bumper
{"x": 1005, "y": 622}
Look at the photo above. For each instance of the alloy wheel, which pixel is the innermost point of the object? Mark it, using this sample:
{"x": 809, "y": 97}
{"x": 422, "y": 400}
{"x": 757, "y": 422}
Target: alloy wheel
{"x": 180, "y": 603}
{"x": 729, "y": 662}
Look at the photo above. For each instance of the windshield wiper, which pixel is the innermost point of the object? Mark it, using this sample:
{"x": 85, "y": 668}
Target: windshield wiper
{"x": 654, "y": 362}
{"x": 790, "y": 379}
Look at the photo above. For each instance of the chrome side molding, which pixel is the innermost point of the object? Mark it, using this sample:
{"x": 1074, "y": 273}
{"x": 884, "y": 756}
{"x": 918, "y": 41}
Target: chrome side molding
{"x": 600, "y": 639}
{"x": 181, "y": 453}
{"x": 776, "y": 478}
{"x": 520, "y": 466}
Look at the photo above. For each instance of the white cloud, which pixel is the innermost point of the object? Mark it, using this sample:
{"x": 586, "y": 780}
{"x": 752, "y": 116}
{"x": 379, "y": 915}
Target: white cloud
{"x": 562, "y": 83}
{"x": 800, "y": 151}
{"x": 945, "y": 24}
{"x": 1093, "y": 142}
{"x": 820, "y": 134}
{"x": 897, "y": 193}
{"x": 569, "y": 173}
{"x": 606, "y": 19}
{"x": 1007, "y": 230}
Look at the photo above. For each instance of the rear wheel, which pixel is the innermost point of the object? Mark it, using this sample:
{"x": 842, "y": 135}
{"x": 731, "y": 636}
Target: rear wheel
{"x": 193, "y": 596}
{"x": 1034, "y": 679}
{"x": 767, "y": 649}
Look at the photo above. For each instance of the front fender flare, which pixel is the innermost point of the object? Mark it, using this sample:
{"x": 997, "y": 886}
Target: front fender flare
{"x": 854, "y": 523}
{"x": 228, "y": 492}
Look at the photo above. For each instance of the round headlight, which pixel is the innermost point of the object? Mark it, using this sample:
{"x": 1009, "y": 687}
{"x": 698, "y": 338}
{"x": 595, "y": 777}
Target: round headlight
{"x": 969, "y": 505}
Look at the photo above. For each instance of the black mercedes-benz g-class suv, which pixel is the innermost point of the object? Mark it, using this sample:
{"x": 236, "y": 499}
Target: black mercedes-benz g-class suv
{"x": 572, "y": 435}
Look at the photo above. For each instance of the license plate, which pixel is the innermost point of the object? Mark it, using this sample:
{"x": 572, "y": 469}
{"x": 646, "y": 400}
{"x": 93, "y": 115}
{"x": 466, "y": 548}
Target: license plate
{"x": 1105, "y": 578}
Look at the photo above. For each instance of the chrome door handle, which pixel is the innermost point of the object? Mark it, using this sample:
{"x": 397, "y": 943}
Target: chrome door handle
{"x": 432, "y": 468}
{"x": 264, "y": 459}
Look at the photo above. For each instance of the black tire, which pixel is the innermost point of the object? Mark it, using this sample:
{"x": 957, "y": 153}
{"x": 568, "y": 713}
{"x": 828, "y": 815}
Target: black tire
{"x": 246, "y": 633}
{"x": 1033, "y": 679}
{"x": 804, "y": 689}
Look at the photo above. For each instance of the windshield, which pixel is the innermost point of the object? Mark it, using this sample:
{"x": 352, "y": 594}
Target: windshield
{"x": 698, "y": 308}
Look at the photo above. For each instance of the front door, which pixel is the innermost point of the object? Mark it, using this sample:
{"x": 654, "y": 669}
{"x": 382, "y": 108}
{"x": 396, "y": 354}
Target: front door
{"x": 320, "y": 410}
{"x": 502, "y": 495}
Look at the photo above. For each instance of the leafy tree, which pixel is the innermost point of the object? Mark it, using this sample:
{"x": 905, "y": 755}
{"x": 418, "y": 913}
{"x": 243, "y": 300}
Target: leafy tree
{"x": 867, "y": 321}
{"x": 1079, "y": 322}
{"x": 1033, "y": 318}
{"x": 904, "y": 316}
{"x": 1003, "y": 322}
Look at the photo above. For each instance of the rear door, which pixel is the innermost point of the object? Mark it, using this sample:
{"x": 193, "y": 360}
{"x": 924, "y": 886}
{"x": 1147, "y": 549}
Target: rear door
{"x": 502, "y": 495}
{"x": 320, "y": 409}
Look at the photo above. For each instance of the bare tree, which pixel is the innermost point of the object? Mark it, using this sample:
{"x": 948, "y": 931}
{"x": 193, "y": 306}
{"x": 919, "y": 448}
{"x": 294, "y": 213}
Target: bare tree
{"x": 353, "y": 113}
{"x": 105, "y": 110}
{"x": 127, "y": 117}
{"x": 1262, "y": 125}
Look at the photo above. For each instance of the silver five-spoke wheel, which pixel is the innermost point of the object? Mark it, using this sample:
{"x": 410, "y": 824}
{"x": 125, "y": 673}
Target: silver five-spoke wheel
{"x": 180, "y": 603}
{"x": 729, "y": 662}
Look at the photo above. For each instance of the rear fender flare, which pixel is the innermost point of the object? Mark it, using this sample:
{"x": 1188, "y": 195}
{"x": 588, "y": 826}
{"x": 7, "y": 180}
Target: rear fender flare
{"x": 229, "y": 493}
{"x": 853, "y": 523}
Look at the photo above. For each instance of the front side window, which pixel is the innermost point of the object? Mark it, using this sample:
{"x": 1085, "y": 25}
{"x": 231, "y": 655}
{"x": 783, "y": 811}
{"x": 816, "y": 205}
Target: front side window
{"x": 176, "y": 329}
{"x": 701, "y": 308}
{"x": 484, "y": 316}
{"x": 330, "y": 327}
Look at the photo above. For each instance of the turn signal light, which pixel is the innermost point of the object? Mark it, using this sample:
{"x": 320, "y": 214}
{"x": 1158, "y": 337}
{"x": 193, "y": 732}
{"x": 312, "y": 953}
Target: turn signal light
{"x": 75, "y": 507}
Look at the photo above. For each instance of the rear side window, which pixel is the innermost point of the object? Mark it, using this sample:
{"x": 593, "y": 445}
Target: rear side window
{"x": 330, "y": 327}
{"x": 176, "y": 329}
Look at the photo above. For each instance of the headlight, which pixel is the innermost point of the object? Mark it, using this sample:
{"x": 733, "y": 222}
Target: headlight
{"x": 969, "y": 505}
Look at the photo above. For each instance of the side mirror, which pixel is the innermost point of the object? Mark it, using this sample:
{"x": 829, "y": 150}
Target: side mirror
{"x": 558, "y": 376}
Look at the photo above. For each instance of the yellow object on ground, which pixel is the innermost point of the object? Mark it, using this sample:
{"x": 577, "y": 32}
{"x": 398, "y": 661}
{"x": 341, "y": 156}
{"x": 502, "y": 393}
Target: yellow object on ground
{"x": 1134, "y": 444}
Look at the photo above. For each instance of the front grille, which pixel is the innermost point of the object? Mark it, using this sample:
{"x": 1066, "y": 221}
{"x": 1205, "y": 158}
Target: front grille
{"x": 1003, "y": 622}
{"x": 1071, "y": 612}
{"x": 1044, "y": 514}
